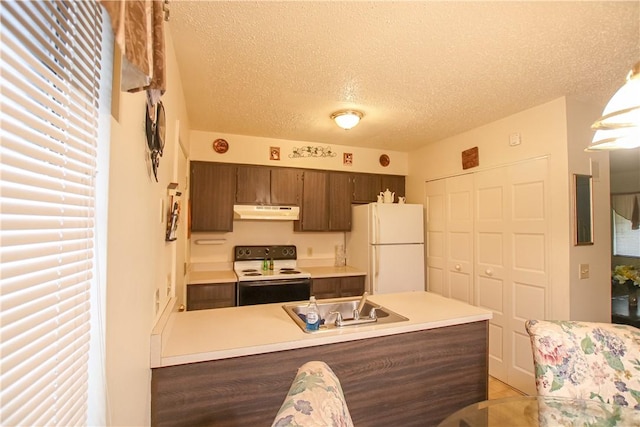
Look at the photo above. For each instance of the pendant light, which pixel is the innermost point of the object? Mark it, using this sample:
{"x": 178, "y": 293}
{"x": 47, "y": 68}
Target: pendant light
{"x": 619, "y": 126}
{"x": 347, "y": 119}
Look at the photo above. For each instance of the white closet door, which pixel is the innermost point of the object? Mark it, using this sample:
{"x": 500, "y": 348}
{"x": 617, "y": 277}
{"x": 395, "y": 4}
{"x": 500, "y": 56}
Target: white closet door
{"x": 492, "y": 270}
{"x": 530, "y": 242}
{"x": 435, "y": 236}
{"x": 459, "y": 237}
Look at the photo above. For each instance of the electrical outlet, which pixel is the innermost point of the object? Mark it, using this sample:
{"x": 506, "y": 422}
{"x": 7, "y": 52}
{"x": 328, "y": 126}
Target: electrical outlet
{"x": 309, "y": 252}
{"x": 514, "y": 139}
{"x": 584, "y": 271}
{"x": 168, "y": 284}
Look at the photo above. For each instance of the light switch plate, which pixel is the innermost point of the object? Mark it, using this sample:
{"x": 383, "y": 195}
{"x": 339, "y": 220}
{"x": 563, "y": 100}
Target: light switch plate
{"x": 584, "y": 271}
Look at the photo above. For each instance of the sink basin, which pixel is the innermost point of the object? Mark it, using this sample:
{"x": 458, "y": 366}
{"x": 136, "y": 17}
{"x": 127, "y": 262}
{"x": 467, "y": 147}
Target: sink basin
{"x": 345, "y": 306}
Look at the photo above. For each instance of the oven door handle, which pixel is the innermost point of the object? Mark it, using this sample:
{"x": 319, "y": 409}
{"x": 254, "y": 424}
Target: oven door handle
{"x": 274, "y": 282}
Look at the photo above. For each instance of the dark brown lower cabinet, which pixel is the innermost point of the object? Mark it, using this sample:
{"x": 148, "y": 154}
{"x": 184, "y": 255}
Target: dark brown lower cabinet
{"x": 337, "y": 287}
{"x": 409, "y": 379}
{"x": 211, "y": 295}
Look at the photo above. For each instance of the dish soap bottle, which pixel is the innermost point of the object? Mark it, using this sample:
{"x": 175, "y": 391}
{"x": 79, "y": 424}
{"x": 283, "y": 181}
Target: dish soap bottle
{"x": 313, "y": 315}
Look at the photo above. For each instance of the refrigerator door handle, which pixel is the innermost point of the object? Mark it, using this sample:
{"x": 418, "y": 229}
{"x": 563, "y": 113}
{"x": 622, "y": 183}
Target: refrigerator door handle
{"x": 376, "y": 225}
{"x": 376, "y": 272}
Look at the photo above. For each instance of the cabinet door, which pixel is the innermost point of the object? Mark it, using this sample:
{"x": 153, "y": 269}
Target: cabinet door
{"x": 326, "y": 287}
{"x": 366, "y": 187}
{"x": 395, "y": 184}
{"x": 285, "y": 186}
{"x": 253, "y": 186}
{"x": 315, "y": 202}
{"x": 351, "y": 286}
{"x": 340, "y": 192}
{"x": 212, "y": 196}
{"x": 205, "y": 296}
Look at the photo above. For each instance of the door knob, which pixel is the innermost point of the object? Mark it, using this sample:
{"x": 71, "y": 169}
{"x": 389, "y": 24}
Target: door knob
{"x": 458, "y": 267}
{"x": 489, "y": 272}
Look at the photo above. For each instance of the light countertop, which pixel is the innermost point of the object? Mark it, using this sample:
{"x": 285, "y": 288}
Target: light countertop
{"x": 321, "y": 272}
{"x": 203, "y": 335}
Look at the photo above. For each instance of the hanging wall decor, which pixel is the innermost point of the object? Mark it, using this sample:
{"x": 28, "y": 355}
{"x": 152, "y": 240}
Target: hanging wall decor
{"x": 155, "y": 129}
{"x": 470, "y": 158}
{"x": 274, "y": 153}
{"x": 347, "y": 159}
{"x": 309, "y": 151}
{"x": 220, "y": 146}
{"x": 385, "y": 160}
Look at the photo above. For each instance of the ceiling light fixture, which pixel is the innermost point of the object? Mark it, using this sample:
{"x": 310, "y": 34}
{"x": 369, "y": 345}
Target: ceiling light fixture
{"x": 619, "y": 126}
{"x": 347, "y": 119}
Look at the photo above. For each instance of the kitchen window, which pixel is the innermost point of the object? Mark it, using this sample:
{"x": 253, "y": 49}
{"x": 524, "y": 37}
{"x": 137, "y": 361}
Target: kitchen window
{"x": 52, "y": 92}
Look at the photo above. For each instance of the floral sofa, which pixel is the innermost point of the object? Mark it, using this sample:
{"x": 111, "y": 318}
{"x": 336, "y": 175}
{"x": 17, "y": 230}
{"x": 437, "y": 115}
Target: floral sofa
{"x": 315, "y": 399}
{"x": 586, "y": 360}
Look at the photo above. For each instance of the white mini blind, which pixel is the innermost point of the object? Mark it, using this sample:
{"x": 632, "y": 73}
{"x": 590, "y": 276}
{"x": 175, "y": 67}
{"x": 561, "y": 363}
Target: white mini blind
{"x": 49, "y": 76}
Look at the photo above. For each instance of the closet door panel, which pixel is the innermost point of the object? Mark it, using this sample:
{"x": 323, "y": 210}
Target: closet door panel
{"x": 491, "y": 226}
{"x": 530, "y": 236}
{"x": 459, "y": 237}
{"x": 435, "y": 202}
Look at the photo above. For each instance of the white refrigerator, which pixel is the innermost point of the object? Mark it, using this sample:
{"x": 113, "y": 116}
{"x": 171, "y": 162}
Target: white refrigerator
{"x": 387, "y": 241}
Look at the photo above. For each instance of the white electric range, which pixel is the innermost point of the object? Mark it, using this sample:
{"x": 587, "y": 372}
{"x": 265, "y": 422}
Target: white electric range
{"x": 268, "y": 274}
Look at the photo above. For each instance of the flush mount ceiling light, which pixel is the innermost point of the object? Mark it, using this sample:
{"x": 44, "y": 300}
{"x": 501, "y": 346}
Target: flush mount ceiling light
{"x": 619, "y": 126}
{"x": 347, "y": 119}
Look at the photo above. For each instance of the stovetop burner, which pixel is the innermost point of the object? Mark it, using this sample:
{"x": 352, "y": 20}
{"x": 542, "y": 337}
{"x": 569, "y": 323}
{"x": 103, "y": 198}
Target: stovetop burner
{"x": 249, "y": 263}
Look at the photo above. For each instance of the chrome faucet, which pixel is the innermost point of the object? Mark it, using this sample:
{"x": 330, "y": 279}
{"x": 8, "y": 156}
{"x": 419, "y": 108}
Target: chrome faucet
{"x": 363, "y": 301}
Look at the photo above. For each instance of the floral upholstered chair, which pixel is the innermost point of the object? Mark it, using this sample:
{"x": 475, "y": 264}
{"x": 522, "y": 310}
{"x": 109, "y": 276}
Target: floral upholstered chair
{"x": 315, "y": 399}
{"x": 584, "y": 360}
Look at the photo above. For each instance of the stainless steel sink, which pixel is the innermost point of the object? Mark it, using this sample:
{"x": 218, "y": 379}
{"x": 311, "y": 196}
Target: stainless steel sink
{"x": 329, "y": 308}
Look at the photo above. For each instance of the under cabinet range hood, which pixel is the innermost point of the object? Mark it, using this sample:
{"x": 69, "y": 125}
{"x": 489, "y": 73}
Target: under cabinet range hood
{"x": 278, "y": 213}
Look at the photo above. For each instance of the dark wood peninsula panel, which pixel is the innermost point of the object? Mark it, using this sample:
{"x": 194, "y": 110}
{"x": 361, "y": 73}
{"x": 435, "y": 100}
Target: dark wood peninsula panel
{"x": 410, "y": 379}
{"x": 213, "y": 187}
{"x": 211, "y": 295}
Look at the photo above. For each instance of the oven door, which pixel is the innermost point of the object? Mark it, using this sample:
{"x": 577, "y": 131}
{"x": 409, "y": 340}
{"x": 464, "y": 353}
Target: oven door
{"x": 270, "y": 291}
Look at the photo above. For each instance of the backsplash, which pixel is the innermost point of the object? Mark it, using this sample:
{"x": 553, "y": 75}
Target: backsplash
{"x": 216, "y": 249}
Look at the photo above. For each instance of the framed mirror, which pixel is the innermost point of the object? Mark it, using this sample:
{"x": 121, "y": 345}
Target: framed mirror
{"x": 583, "y": 209}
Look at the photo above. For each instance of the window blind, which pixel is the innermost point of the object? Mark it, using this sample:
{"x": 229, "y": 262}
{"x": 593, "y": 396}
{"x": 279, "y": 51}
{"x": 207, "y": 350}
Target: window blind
{"x": 49, "y": 78}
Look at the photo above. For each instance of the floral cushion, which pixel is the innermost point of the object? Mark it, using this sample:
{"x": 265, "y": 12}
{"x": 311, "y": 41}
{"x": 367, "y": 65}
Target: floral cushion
{"x": 586, "y": 360}
{"x": 315, "y": 399}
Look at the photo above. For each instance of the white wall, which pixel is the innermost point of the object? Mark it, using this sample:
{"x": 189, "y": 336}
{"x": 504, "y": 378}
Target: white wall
{"x": 255, "y": 151}
{"x": 138, "y": 258}
{"x": 543, "y": 132}
{"x": 590, "y": 298}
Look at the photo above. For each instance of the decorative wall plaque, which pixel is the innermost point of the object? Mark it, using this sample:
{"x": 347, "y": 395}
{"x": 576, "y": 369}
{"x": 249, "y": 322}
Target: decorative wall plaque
{"x": 220, "y": 146}
{"x": 385, "y": 160}
{"x": 470, "y": 158}
{"x": 309, "y": 151}
{"x": 347, "y": 159}
{"x": 274, "y": 153}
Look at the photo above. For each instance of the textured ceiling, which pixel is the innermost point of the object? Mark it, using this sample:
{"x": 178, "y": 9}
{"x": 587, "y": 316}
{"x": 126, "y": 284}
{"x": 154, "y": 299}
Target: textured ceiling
{"x": 420, "y": 71}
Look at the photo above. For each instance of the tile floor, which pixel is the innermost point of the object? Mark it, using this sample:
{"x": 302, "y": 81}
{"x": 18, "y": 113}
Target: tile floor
{"x": 498, "y": 389}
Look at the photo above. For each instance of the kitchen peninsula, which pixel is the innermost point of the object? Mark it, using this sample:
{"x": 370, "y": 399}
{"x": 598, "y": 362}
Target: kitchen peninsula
{"x": 233, "y": 366}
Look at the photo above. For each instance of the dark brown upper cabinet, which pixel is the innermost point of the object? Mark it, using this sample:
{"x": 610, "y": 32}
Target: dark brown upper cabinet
{"x": 262, "y": 185}
{"x": 213, "y": 187}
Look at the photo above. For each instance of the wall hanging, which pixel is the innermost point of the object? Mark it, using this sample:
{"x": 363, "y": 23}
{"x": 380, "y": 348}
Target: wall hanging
{"x": 155, "y": 129}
